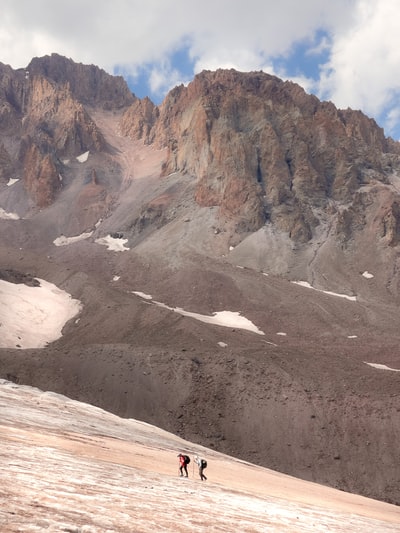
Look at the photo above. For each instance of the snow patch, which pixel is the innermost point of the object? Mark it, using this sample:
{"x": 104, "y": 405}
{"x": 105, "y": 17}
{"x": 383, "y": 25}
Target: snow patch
{"x": 116, "y": 245}
{"x": 83, "y": 157}
{"x": 222, "y": 344}
{"x": 228, "y": 319}
{"x": 116, "y": 278}
{"x": 31, "y": 317}
{"x": 8, "y": 216}
{"x": 282, "y": 333}
{"x": 11, "y": 181}
{"x": 308, "y": 286}
{"x": 142, "y": 295}
{"x": 382, "y": 367}
{"x": 367, "y": 275}
{"x": 64, "y": 241}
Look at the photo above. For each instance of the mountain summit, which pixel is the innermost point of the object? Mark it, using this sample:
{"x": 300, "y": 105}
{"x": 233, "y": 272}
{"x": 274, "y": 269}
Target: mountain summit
{"x": 234, "y": 252}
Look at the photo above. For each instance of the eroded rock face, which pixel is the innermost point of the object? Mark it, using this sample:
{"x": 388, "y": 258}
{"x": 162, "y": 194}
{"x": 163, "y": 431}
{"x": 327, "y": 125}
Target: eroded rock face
{"x": 139, "y": 119}
{"x": 88, "y": 84}
{"x": 43, "y": 118}
{"x": 262, "y": 149}
{"x": 41, "y": 177}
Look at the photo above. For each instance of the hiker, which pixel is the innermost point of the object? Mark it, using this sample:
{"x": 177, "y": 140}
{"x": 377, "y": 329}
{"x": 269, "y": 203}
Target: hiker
{"x": 184, "y": 460}
{"x": 202, "y": 464}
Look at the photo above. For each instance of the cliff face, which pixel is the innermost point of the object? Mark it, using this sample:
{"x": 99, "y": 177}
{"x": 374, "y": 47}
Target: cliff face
{"x": 88, "y": 84}
{"x": 264, "y": 150}
{"x": 44, "y": 117}
{"x": 261, "y": 149}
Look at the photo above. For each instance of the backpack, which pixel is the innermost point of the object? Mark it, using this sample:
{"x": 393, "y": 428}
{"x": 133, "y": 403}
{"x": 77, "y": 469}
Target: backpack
{"x": 187, "y": 459}
{"x": 204, "y": 463}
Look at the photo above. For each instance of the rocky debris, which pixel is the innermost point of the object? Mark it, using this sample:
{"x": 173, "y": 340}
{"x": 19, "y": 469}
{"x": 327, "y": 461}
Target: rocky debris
{"x": 13, "y": 276}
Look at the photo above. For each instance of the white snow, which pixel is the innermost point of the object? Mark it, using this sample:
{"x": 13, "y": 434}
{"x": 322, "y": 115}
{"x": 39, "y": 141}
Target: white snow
{"x": 83, "y": 157}
{"x": 11, "y": 181}
{"x": 69, "y": 466}
{"x": 222, "y": 344}
{"x": 282, "y": 333}
{"x": 308, "y": 286}
{"x": 31, "y": 317}
{"x": 143, "y": 295}
{"x": 367, "y": 275}
{"x": 9, "y": 216}
{"x": 352, "y": 336}
{"x": 115, "y": 245}
{"x": 64, "y": 241}
{"x": 228, "y": 319}
{"x": 382, "y": 367}
{"x": 116, "y": 278}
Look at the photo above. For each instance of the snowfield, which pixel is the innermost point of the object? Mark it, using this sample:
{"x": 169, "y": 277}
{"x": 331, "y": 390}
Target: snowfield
{"x": 68, "y": 466}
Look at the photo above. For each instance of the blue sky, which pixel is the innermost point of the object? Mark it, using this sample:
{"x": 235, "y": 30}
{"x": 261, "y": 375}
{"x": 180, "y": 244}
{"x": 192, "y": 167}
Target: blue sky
{"x": 347, "y": 51}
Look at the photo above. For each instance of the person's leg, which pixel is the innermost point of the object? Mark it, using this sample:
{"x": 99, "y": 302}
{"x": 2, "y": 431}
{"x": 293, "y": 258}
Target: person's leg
{"x": 186, "y": 472}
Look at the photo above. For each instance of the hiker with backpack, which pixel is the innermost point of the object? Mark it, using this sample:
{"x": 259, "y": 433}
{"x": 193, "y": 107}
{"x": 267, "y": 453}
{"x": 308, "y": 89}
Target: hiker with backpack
{"x": 202, "y": 464}
{"x": 184, "y": 460}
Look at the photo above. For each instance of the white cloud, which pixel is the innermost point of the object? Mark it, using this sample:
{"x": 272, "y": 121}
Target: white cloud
{"x": 360, "y": 36}
{"x": 364, "y": 68}
{"x": 163, "y": 78}
{"x": 133, "y": 33}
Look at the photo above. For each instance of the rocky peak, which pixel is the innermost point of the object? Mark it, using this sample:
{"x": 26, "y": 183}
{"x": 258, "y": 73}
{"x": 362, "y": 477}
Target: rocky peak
{"x": 44, "y": 116}
{"x": 89, "y": 84}
{"x": 263, "y": 149}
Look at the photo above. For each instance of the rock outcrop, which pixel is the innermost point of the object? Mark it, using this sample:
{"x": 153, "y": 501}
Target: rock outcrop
{"x": 88, "y": 84}
{"x": 264, "y": 150}
{"x": 44, "y": 118}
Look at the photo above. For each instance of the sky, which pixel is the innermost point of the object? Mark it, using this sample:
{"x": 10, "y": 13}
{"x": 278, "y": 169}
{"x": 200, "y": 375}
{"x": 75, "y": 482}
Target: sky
{"x": 347, "y": 51}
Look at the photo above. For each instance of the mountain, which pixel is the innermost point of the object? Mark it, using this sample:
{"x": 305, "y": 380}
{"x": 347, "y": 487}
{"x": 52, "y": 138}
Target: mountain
{"x": 235, "y": 254}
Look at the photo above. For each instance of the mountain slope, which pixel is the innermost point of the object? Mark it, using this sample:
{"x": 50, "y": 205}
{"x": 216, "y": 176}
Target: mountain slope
{"x": 69, "y": 466}
{"x": 216, "y": 201}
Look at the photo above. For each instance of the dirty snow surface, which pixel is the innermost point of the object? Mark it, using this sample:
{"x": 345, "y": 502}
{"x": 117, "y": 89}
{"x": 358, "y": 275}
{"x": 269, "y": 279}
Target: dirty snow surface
{"x": 31, "y": 317}
{"x": 68, "y": 466}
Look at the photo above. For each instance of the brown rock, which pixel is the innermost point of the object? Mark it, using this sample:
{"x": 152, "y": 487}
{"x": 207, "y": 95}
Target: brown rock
{"x": 262, "y": 149}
